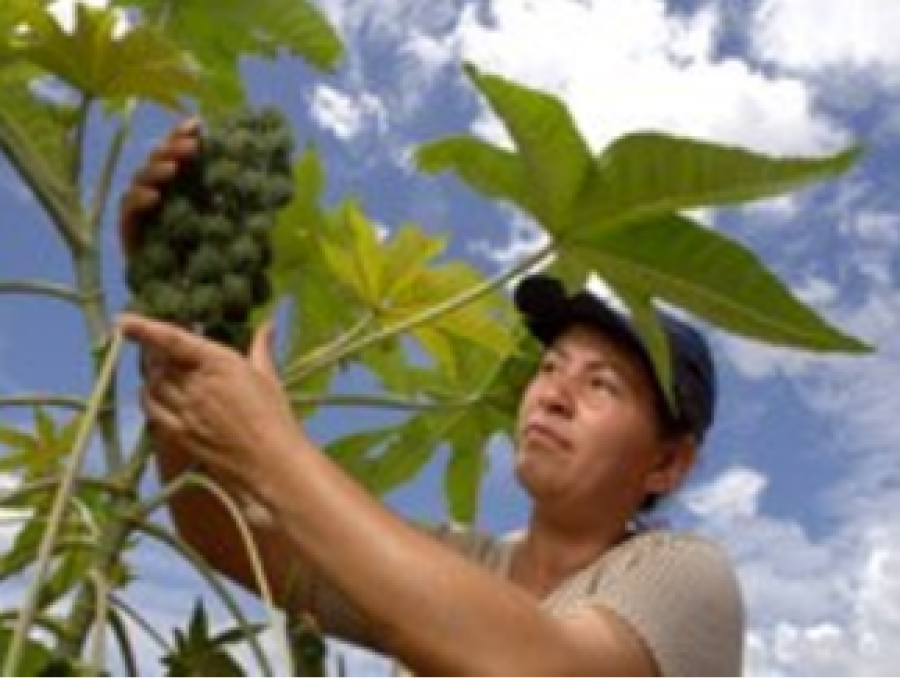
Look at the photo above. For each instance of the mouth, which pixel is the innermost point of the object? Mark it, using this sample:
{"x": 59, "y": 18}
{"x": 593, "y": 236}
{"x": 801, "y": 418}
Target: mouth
{"x": 539, "y": 431}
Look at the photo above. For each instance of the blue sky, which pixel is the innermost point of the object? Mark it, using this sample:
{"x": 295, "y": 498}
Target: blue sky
{"x": 799, "y": 480}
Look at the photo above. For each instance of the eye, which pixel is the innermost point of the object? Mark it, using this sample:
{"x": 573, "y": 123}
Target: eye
{"x": 548, "y": 365}
{"x": 605, "y": 381}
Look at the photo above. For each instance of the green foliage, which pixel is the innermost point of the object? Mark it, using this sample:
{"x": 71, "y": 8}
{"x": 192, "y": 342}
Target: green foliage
{"x": 201, "y": 256}
{"x": 604, "y": 214}
{"x": 434, "y": 338}
{"x": 267, "y": 28}
{"x": 197, "y": 653}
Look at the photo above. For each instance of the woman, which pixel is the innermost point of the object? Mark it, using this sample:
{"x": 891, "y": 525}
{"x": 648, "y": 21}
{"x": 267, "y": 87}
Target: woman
{"x": 579, "y": 591}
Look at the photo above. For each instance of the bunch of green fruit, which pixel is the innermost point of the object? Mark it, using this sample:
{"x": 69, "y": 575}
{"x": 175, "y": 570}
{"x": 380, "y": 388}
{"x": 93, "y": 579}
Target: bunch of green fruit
{"x": 201, "y": 255}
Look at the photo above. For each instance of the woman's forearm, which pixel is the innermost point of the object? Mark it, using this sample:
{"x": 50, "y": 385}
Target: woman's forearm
{"x": 434, "y": 611}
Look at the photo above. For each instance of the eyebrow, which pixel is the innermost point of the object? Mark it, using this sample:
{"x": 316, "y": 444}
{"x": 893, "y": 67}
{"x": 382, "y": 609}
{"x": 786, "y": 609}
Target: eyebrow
{"x": 594, "y": 362}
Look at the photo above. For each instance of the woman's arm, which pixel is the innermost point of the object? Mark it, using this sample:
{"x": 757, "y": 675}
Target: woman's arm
{"x": 427, "y": 606}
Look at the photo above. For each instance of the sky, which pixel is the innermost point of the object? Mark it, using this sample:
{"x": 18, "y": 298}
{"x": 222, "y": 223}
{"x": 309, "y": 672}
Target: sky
{"x": 799, "y": 480}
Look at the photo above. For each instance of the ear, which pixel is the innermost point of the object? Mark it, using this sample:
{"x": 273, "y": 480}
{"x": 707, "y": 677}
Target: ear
{"x": 676, "y": 460}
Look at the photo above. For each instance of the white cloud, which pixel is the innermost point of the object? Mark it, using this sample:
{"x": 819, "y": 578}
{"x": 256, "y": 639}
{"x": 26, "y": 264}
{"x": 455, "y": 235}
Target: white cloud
{"x": 627, "y": 66}
{"x": 732, "y": 495}
{"x": 347, "y": 115}
{"x": 816, "y": 35}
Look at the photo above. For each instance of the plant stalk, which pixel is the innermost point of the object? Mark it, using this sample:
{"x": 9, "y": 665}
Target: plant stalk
{"x": 45, "y": 288}
{"x": 302, "y": 370}
{"x": 61, "y": 501}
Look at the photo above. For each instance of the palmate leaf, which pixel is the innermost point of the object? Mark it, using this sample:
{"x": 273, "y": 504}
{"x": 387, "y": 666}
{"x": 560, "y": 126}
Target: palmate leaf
{"x": 38, "y": 453}
{"x": 142, "y": 63}
{"x": 644, "y": 174}
{"x": 493, "y": 171}
{"x": 551, "y": 159}
{"x": 707, "y": 274}
{"x": 394, "y": 281}
{"x": 462, "y": 413}
{"x": 219, "y": 33}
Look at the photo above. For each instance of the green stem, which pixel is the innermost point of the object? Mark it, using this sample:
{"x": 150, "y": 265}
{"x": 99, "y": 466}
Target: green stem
{"x": 121, "y": 605}
{"x": 164, "y": 536}
{"x": 101, "y": 587}
{"x": 48, "y": 623}
{"x": 90, "y": 282}
{"x": 30, "y": 400}
{"x": 370, "y": 401}
{"x": 300, "y": 372}
{"x": 45, "y": 288}
{"x": 120, "y": 631}
{"x": 58, "y": 200}
{"x": 107, "y": 551}
{"x": 61, "y": 501}
{"x": 77, "y": 145}
{"x": 101, "y": 195}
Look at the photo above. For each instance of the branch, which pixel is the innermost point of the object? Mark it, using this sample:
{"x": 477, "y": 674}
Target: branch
{"x": 58, "y": 201}
{"x": 101, "y": 196}
{"x": 299, "y": 371}
{"x": 57, "y": 400}
{"x": 119, "y": 604}
{"x": 60, "y": 502}
{"x": 302, "y": 401}
{"x": 121, "y": 632}
{"x": 45, "y": 288}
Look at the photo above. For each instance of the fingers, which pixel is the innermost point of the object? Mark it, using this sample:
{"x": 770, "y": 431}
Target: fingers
{"x": 160, "y": 167}
{"x": 261, "y": 349}
{"x": 168, "y": 342}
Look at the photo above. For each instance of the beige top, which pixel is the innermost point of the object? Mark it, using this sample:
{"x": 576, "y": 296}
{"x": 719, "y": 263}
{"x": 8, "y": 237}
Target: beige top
{"x": 676, "y": 590}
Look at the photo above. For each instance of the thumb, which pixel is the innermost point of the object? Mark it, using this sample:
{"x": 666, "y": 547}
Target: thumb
{"x": 261, "y": 355}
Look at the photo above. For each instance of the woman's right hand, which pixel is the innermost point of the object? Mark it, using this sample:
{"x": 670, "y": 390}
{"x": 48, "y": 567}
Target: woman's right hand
{"x": 160, "y": 166}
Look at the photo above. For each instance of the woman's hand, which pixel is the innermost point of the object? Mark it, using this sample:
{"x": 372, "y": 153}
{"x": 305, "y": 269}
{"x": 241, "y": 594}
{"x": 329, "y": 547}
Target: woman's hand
{"x": 160, "y": 166}
{"x": 215, "y": 405}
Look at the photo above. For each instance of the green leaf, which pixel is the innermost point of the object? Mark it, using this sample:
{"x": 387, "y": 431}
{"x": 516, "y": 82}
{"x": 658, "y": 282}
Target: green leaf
{"x": 218, "y": 34}
{"x": 555, "y": 157}
{"x": 34, "y": 138}
{"x": 35, "y": 657}
{"x": 142, "y": 63}
{"x": 465, "y": 409}
{"x": 463, "y": 477}
{"x": 652, "y": 334}
{"x": 647, "y": 174}
{"x": 35, "y": 455}
{"x": 493, "y": 171}
{"x": 393, "y": 281}
{"x": 201, "y": 654}
{"x": 709, "y": 275}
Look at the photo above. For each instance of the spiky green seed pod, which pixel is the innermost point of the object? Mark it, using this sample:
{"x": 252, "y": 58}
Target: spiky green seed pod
{"x": 202, "y": 256}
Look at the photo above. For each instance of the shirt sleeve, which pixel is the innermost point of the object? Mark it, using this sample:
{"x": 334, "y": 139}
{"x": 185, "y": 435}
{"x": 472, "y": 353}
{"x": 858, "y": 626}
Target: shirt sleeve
{"x": 681, "y": 596}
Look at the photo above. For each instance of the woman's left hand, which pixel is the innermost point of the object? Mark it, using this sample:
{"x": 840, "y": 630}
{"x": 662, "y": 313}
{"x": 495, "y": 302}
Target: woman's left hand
{"x": 203, "y": 398}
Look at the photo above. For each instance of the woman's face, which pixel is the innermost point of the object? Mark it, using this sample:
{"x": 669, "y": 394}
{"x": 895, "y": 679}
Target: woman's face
{"x": 588, "y": 431}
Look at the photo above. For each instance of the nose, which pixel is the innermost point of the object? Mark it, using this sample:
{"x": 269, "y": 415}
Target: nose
{"x": 555, "y": 395}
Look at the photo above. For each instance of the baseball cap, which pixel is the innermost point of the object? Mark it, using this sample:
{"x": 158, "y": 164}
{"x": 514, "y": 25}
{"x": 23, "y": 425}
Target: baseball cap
{"x": 548, "y": 311}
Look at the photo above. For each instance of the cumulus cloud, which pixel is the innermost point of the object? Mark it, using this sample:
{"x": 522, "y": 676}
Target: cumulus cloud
{"x": 347, "y": 115}
{"x": 627, "y": 66}
{"x": 819, "y": 35}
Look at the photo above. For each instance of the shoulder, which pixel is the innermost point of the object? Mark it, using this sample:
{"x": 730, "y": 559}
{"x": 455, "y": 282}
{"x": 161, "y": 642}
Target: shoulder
{"x": 680, "y": 593}
{"x": 666, "y": 551}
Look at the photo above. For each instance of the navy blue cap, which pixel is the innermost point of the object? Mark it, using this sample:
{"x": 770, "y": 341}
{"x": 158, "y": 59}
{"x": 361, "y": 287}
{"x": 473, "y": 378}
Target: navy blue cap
{"x": 548, "y": 311}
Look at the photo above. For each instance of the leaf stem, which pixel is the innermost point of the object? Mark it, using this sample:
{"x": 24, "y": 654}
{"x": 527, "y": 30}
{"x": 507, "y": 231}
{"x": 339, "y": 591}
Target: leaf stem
{"x": 45, "y": 288}
{"x": 61, "y": 501}
{"x": 328, "y": 358}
